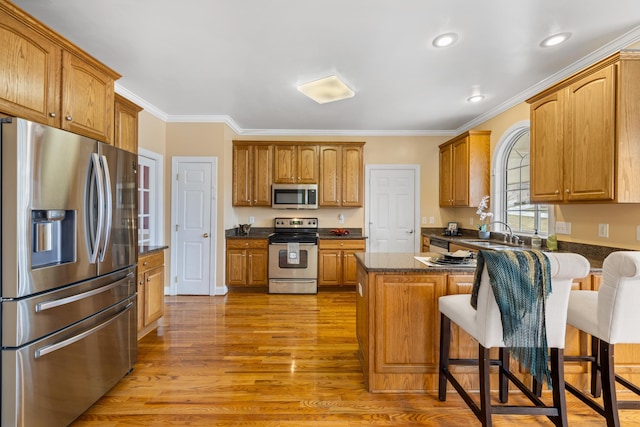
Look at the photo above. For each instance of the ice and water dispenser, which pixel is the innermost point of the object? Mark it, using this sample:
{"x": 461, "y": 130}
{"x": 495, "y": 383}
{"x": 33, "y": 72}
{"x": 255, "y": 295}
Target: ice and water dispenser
{"x": 54, "y": 240}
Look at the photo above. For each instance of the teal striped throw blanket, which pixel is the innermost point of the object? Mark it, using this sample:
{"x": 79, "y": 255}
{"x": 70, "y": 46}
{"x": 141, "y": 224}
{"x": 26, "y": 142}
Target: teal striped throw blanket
{"x": 521, "y": 282}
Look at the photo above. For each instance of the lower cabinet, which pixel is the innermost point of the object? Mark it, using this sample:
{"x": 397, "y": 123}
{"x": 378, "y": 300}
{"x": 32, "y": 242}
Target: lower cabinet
{"x": 150, "y": 292}
{"x": 247, "y": 262}
{"x": 336, "y": 263}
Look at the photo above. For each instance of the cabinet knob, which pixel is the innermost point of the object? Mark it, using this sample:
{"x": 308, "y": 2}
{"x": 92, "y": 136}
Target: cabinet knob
{"x": 68, "y": 118}
{"x": 52, "y": 114}
{"x": 205, "y": 235}
{"x": 341, "y": 244}
{"x": 145, "y": 263}
{"x": 148, "y": 279}
{"x": 566, "y": 191}
{"x": 557, "y": 191}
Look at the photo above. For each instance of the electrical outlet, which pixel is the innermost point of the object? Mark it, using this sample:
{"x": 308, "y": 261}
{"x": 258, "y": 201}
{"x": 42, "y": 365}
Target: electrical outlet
{"x": 637, "y": 232}
{"x": 603, "y": 230}
{"x": 432, "y": 220}
{"x": 341, "y": 219}
{"x": 424, "y": 219}
{"x": 251, "y": 219}
{"x": 563, "y": 227}
{"x": 471, "y": 220}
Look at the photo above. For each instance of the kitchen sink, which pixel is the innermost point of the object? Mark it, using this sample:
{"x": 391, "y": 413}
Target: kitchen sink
{"x": 489, "y": 244}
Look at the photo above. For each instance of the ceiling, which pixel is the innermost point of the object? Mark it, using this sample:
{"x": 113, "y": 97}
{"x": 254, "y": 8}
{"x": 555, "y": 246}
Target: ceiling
{"x": 240, "y": 61}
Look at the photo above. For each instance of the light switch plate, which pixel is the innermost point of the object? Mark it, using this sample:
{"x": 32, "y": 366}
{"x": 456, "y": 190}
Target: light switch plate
{"x": 603, "y": 230}
{"x": 563, "y": 227}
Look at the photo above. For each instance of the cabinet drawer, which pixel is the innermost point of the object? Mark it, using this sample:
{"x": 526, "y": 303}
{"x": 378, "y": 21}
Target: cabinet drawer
{"x": 247, "y": 244}
{"x": 150, "y": 261}
{"x": 349, "y": 244}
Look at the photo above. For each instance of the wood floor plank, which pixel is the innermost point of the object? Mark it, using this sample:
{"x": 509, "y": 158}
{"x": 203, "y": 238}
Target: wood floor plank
{"x": 253, "y": 359}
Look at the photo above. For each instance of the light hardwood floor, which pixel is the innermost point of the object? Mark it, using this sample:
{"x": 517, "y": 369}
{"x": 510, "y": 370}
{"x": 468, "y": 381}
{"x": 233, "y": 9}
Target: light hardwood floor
{"x": 249, "y": 359}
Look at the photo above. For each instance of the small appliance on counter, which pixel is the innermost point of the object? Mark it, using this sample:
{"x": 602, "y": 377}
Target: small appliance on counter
{"x": 452, "y": 229}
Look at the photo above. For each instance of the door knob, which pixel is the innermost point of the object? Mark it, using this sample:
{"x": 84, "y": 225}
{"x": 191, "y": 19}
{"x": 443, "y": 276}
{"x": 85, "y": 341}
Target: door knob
{"x": 205, "y": 235}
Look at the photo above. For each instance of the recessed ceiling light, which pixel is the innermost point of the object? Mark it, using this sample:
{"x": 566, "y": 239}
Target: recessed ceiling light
{"x": 327, "y": 89}
{"x": 555, "y": 39}
{"x": 444, "y": 40}
{"x": 475, "y": 98}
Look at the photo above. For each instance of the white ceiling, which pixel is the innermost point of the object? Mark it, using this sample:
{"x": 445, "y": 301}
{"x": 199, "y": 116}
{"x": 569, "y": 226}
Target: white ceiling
{"x": 239, "y": 60}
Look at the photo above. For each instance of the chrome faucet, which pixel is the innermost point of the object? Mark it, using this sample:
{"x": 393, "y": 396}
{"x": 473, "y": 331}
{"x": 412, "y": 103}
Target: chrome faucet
{"x": 511, "y": 236}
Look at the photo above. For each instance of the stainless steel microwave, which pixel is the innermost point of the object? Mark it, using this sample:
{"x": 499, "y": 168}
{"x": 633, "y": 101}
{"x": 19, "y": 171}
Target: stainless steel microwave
{"x": 294, "y": 196}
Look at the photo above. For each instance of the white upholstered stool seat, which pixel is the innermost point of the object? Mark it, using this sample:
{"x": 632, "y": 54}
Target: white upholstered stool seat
{"x": 611, "y": 316}
{"x": 485, "y": 326}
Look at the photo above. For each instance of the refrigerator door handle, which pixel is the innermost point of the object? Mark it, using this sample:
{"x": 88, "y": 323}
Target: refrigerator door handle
{"x": 107, "y": 207}
{"x": 95, "y": 230}
{"x": 46, "y": 305}
{"x": 43, "y": 351}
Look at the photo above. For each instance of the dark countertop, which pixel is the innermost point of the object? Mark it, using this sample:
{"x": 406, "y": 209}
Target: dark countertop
{"x": 264, "y": 232}
{"x": 404, "y": 263}
{"x": 149, "y": 249}
{"x": 594, "y": 254}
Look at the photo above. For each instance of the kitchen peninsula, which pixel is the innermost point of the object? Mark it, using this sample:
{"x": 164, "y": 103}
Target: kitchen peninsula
{"x": 397, "y": 323}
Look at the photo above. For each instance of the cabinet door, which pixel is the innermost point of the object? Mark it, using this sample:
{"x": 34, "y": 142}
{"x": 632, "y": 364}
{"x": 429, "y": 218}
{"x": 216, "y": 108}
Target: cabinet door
{"x": 242, "y": 175}
{"x": 154, "y": 295}
{"x": 30, "y": 68}
{"x": 352, "y": 176}
{"x": 257, "y": 264}
{"x": 330, "y": 171}
{"x": 307, "y": 164}
{"x": 140, "y": 301}
{"x": 87, "y": 100}
{"x": 126, "y": 124}
{"x": 349, "y": 267}
{"x": 330, "y": 267}
{"x": 590, "y": 154}
{"x": 446, "y": 181}
{"x": 262, "y": 169}
{"x": 284, "y": 157}
{"x": 460, "y": 172}
{"x": 236, "y": 267}
{"x": 546, "y": 148}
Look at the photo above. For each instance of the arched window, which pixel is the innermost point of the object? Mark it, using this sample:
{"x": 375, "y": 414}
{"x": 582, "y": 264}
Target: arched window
{"x": 511, "y": 197}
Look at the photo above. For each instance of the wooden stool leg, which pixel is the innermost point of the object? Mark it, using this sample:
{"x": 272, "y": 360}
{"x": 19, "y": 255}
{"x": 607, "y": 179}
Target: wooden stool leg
{"x": 609, "y": 384}
{"x": 557, "y": 381}
{"x": 485, "y": 386}
{"x": 596, "y": 383}
{"x": 445, "y": 343}
{"x": 503, "y": 380}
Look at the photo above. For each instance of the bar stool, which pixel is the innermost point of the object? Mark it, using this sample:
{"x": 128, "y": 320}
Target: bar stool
{"x": 611, "y": 316}
{"x": 484, "y": 324}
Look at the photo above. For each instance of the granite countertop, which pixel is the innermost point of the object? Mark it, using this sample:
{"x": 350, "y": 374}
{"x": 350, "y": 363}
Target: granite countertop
{"x": 405, "y": 263}
{"x": 149, "y": 249}
{"x": 264, "y": 232}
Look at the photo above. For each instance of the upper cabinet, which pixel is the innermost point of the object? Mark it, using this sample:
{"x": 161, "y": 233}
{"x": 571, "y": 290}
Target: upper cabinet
{"x": 584, "y": 135}
{"x": 295, "y": 164}
{"x": 126, "y": 124}
{"x": 49, "y": 80}
{"x": 341, "y": 175}
{"x": 252, "y": 166}
{"x": 464, "y": 169}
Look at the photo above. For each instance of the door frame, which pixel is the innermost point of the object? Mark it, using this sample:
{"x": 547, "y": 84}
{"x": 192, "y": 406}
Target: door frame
{"x": 175, "y": 161}
{"x": 416, "y": 183}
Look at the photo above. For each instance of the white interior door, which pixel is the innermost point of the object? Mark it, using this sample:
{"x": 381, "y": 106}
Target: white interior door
{"x": 193, "y": 224}
{"x": 392, "y": 213}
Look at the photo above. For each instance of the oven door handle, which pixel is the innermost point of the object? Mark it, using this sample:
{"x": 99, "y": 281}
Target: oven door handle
{"x": 291, "y": 280}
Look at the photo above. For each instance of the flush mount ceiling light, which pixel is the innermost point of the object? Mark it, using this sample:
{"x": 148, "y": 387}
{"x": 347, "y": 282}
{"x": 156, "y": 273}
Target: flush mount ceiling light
{"x": 555, "y": 39}
{"x": 475, "y": 98}
{"x": 325, "y": 90}
{"x": 444, "y": 40}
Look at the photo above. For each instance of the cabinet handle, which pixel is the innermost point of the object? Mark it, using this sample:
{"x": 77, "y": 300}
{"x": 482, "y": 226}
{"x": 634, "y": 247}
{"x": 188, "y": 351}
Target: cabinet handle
{"x": 68, "y": 118}
{"x": 52, "y": 114}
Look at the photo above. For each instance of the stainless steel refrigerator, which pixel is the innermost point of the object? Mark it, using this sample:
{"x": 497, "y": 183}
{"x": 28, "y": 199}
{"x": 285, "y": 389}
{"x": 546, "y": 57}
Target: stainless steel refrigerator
{"x": 69, "y": 251}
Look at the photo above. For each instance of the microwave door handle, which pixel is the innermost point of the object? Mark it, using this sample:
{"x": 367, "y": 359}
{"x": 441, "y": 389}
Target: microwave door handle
{"x": 95, "y": 230}
{"x": 107, "y": 207}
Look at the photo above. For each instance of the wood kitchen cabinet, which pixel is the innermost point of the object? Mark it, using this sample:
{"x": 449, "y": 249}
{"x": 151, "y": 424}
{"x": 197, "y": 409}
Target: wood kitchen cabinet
{"x": 126, "y": 124}
{"x": 49, "y": 80}
{"x": 464, "y": 169}
{"x": 150, "y": 291}
{"x": 584, "y": 134}
{"x": 295, "y": 164}
{"x": 252, "y": 174}
{"x": 341, "y": 175}
{"x": 336, "y": 263}
{"x": 247, "y": 262}
{"x": 426, "y": 244}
